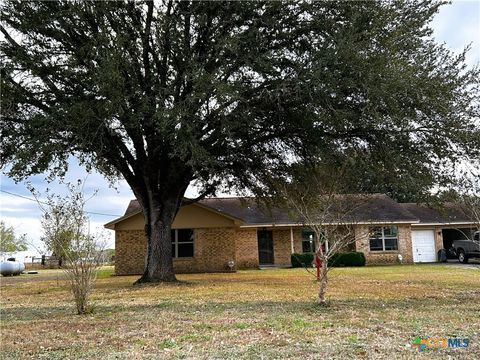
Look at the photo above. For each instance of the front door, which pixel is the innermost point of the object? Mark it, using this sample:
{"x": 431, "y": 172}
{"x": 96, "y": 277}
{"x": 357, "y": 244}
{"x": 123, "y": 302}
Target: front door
{"x": 265, "y": 247}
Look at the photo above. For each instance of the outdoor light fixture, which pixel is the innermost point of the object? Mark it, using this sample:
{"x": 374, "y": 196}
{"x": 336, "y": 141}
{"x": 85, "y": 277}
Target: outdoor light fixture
{"x": 231, "y": 264}
{"x": 400, "y": 258}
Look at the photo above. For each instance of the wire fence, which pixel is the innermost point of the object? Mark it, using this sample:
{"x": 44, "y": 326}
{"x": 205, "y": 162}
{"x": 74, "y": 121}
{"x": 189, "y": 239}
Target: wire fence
{"x": 53, "y": 262}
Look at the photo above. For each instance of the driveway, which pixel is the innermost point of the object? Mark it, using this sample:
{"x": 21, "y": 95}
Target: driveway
{"x": 43, "y": 275}
{"x": 472, "y": 264}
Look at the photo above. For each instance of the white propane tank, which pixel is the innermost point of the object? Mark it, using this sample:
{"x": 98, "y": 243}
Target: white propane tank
{"x": 11, "y": 268}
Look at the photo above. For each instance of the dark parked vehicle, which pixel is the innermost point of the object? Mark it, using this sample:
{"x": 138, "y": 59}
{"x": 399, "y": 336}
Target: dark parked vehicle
{"x": 466, "y": 249}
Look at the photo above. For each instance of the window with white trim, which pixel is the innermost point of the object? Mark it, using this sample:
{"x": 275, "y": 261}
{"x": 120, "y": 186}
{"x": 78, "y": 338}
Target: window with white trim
{"x": 308, "y": 241}
{"x": 384, "y": 238}
{"x": 182, "y": 243}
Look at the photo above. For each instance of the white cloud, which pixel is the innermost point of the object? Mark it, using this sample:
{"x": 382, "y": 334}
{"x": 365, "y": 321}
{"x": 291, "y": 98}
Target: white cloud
{"x": 24, "y": 214}
{"x": 30, "y": 226}
{"x": 457, "y": 25}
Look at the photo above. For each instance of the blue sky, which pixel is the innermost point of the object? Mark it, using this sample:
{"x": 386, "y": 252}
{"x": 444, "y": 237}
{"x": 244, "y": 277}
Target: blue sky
{"x": 456, "y": 25}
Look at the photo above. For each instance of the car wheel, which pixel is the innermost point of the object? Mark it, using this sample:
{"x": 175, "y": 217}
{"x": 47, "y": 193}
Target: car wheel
{"x": 462, "y": 257}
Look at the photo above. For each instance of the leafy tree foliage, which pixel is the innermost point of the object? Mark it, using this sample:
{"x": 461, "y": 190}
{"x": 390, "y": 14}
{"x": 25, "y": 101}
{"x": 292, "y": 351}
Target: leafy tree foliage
{"x": 230, "y": 94}
{"x": 467, "y": 194}
{"x": 9, "y": 242}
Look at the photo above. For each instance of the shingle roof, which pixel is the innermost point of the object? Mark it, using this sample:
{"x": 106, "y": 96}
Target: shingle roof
{"x": 248, "y": 210}
{"x": 369, "y": 208}
{"x": 448, "y": 213}
{"x": 132, "y": 208}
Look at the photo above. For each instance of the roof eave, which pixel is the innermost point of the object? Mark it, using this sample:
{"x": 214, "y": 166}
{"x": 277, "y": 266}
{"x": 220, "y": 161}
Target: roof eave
{"x": 331, "y": 223}
{"x": 444, "y": 223}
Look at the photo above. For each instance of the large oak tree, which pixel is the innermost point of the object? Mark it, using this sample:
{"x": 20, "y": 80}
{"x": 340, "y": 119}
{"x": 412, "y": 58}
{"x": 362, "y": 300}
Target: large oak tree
{"x": 168, "y": 93}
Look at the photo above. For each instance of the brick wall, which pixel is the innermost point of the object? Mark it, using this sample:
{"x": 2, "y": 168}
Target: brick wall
{"x": 282, "y": 247}
{"x": 385, "y": 257}
{"x": 297, "y": 240}
{"x": 438, "y": 238}
{"x": 246, "y": 249}
{"x": 213, "y": 248}
{"x": 130, "y": 249}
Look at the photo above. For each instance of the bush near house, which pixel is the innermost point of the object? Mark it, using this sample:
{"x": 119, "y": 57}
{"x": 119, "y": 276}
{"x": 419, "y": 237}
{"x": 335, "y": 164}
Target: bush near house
{"x": 352, "y": 258}
{"x": 302, "y": 260}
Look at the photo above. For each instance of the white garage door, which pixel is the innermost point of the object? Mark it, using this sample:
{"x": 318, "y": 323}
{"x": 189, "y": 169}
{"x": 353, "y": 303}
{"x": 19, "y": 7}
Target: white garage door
{"x": 423, "y": 246}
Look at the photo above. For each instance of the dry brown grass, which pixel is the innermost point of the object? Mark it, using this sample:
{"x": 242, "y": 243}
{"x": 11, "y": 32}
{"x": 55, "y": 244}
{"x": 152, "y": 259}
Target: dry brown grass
{"x": 375, "y": 312}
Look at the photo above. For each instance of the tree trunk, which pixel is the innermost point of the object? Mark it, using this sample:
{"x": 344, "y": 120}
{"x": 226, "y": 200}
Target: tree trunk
{"x": 158, "y": 224}
{"x": 323, "y": 283}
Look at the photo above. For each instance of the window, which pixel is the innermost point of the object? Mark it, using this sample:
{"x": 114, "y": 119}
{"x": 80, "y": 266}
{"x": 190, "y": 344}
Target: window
{"x": 182, "y": 243}
{"x": 384, "y": 238}
{"x": 308, "y": 241}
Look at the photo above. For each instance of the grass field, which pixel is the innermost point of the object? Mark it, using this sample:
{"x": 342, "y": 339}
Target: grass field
{"x": 374, "y": 313}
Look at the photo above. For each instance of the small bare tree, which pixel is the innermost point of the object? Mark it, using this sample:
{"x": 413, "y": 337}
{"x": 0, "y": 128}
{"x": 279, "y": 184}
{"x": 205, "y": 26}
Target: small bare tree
{"x": 66, "y": 232}
{"x": 315, "y": 198}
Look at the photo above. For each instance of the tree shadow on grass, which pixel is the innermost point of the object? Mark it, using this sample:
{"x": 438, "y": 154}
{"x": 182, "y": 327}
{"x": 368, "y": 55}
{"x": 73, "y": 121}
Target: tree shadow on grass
{"x": 176, "y": 283}
{"x": 130, "y": 286}
{"x": 35, "y": 312}
{"x": 337, "y": 307}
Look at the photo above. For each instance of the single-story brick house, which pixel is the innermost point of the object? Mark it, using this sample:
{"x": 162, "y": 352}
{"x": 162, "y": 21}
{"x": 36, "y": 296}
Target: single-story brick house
{"x": 208, "y": 234}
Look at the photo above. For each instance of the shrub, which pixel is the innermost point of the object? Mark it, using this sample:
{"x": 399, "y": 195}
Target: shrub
{"x": 302, "y": 260}
{"x": 353, "y": 258}
{"x": 66, "y": 233}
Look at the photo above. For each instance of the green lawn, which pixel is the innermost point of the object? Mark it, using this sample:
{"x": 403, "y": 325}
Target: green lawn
{"x": 374, "y": 312}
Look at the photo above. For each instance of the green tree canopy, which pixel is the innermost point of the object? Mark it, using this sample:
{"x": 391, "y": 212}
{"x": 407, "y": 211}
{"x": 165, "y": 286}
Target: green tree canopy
{"x": 9, "y": 241}
{"x": 229, "y": 94}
